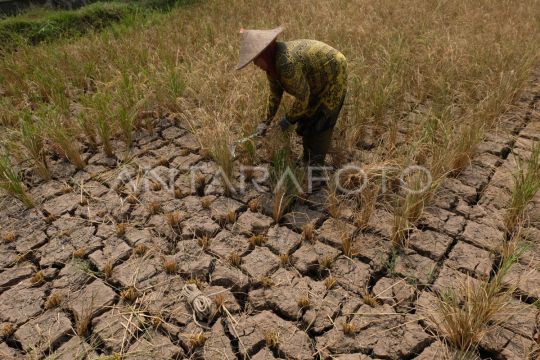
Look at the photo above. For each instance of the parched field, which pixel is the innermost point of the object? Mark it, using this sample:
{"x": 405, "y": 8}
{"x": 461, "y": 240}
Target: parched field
{"x": 75, "y": 284}
{"x": 115, "y": 147}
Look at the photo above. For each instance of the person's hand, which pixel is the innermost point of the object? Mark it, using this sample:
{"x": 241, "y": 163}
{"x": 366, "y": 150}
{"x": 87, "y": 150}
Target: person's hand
{"x": 284, "y": 123}
{"x": 261, "y": 129}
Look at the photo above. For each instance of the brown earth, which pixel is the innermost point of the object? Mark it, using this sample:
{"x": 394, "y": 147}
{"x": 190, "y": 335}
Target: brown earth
{"x": 280, "y": 297}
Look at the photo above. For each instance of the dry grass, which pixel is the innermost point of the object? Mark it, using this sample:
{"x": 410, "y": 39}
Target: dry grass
{"x": 121, "y": 229}
{"x": 257, "y": 240}
{"x": 155, "y": 186}
{"x": 271, "y": 338}
{"x": 325, "y": 262}
{"x": 129, "y": 294}
{"x": 132, "y": 199}
{"x": 333, "y": 200}
{"x": 285, "y": 177}
{"x": 400, "y": 228}
{"x": 83, "y": 321}
{"x": 303, "y": 302}
{"x": 266, "y": 282}
{"x": 178, "y": 193}
{"x": 99, "y": 103}
{"x": 466, "y": 314}
{"x": 7, "y": 330}
{"x": 416, "y": 191}
{"x": 204, "y": 242}
{"x": 11, "y": 182}
{"x": 173, "y": 218}
{"x": 219, "y": 149}
{"x": 62, "y": 134}
{"x": 50, "y": 218}
{"x": 170, "y": 265}
{"x": 414, "y": 55}
{"x": 33, "y": 145}
{"x": 8, "y": 237}
{"x": 23, "y": 257}
{"x": 330, "y": 282}
{"x": 235, "y": 259}
{"x": 219, "y": 301}
{"x": 162, "y": 161}
{"x": 108, "y": 270}
{"x": 196, "y": 340}
{"x": 349, "y": 328}
{"x": 280, "y": 203}
{"x": 369, "y": 299}
{"x": 200, "y": 184}
{"x": 154, "y": 208}
{"x": 206, "y": 202}
{"x": 38, "y": 278}
{"x": 347, "y": 246}
{"x": 526, "y": 185}
{"x": 308, "y": 232}
{"x": 140, "y": 249}
{"x": 366, "y": 203}
{"x": 156, "y": 322}
{"x": 79, "y": 253}
{"x": 284, "y": 260}
{"x": 254, "y": 205}
{"x": 230, "y": 218}
{"x": 54, "y": 300}
{"x": 350, "y": 179}
{"x": 196, "y": 281}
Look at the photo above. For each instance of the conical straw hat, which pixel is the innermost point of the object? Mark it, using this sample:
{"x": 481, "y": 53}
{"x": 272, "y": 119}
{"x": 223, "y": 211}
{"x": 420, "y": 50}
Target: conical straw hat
{"x": 254, "y": 42}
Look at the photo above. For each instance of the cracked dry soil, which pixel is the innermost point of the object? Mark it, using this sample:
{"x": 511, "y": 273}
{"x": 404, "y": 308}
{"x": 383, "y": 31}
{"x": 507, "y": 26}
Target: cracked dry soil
{"x": 74, "y": 284}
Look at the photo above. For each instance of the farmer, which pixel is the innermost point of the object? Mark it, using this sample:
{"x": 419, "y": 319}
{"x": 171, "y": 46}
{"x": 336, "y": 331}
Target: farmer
{"x": 311, "y": 71}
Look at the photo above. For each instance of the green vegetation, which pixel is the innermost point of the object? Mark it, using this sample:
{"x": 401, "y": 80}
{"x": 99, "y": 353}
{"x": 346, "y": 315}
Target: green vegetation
{"x": 10, "y": 181}
{"x": 286, "y": 177}
{"x": 526, "y": 185}
{"x": 32, "y": 143}
{"x": 42, "y": 25}
{"x": 466, "y": 313}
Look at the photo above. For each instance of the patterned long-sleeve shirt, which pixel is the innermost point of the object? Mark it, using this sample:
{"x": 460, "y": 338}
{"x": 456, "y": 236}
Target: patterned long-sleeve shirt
{"x": 311, "y": 71}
